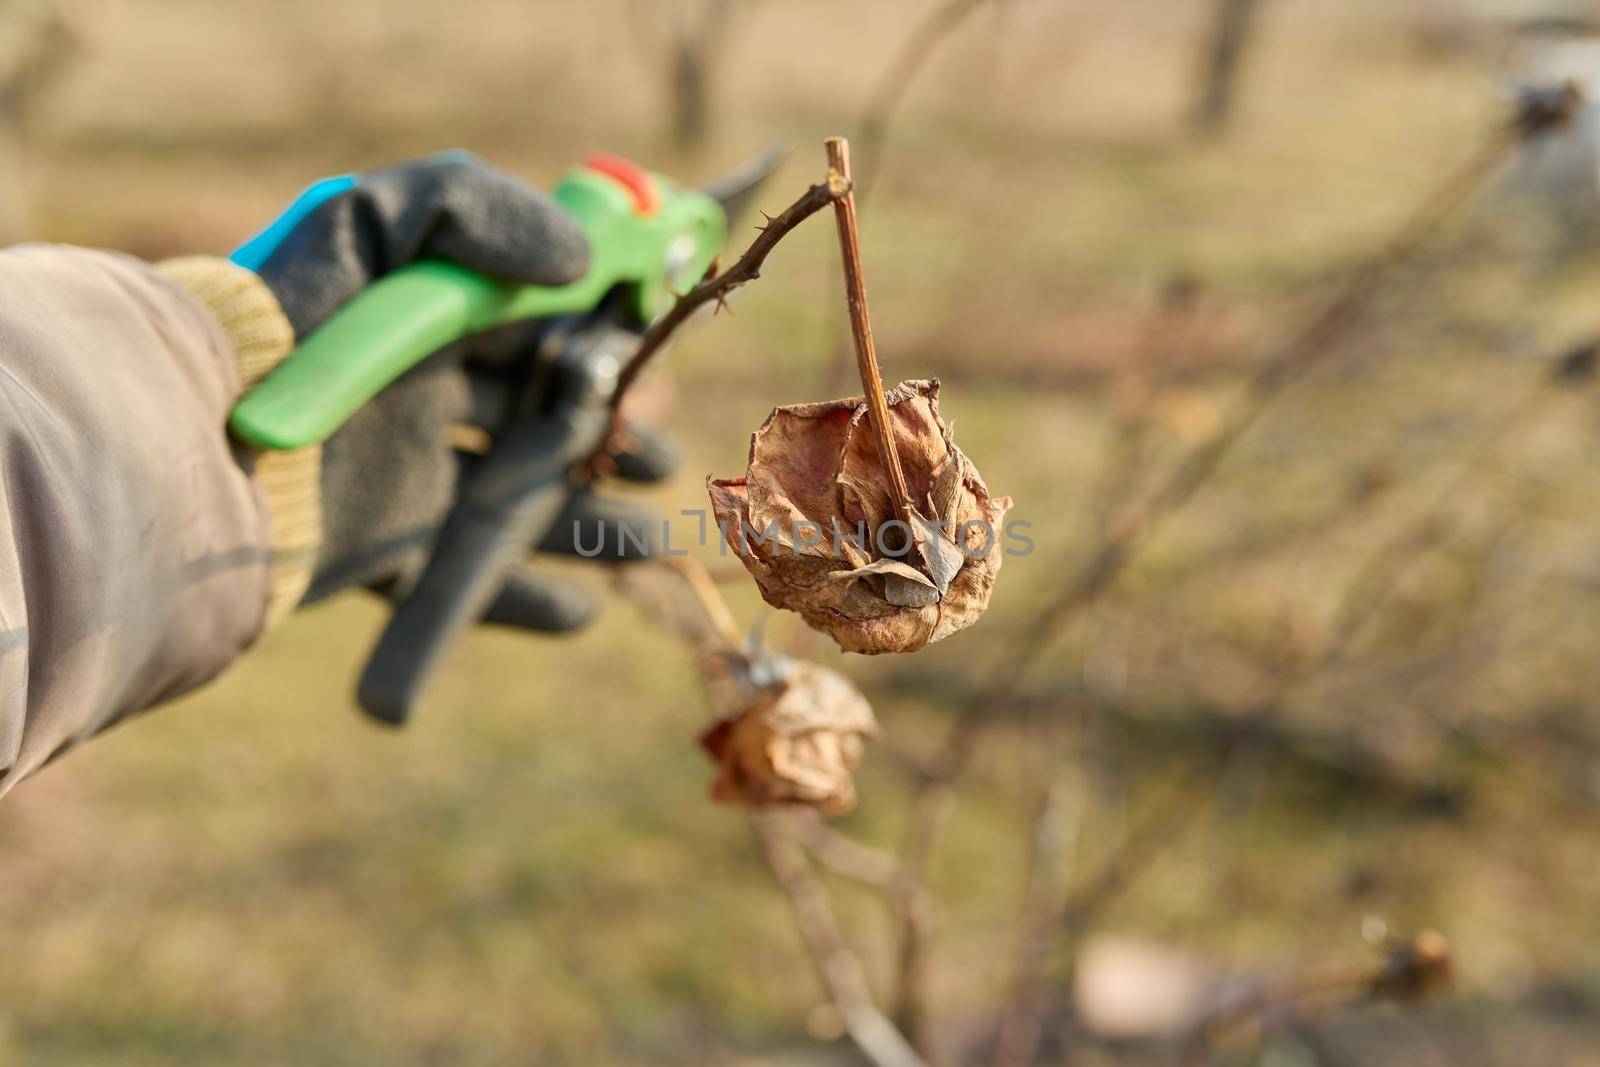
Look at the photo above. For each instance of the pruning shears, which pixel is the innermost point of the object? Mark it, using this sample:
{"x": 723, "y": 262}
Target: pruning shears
{"x": 649, "y": 239}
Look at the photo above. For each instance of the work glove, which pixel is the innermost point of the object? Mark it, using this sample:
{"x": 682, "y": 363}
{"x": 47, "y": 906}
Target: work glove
{"x": 390, "y": 474}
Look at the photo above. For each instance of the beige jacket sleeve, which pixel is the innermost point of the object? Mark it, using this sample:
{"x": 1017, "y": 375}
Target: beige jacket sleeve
{"x": 137, "y": 547}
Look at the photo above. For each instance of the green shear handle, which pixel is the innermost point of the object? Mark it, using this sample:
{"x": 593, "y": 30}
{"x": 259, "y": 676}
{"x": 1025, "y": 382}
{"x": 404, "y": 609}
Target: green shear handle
{"x": 646, "y": 236}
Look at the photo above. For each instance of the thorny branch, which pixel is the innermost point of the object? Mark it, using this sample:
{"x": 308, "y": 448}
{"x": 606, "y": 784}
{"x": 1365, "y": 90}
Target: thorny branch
{"x": 1537, "y": 113}
{"x": 713, "y": 288}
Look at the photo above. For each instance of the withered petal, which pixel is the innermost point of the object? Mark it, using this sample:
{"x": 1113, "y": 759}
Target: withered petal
{"x": 794, "y": 742}
{"x": 815, "y": 467}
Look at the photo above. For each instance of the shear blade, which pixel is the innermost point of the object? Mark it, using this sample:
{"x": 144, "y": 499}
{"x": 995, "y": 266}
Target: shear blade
{"x": 738, "y": 188}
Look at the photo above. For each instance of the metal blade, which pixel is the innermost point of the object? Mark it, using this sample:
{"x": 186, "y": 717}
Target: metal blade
{"x": 736, "y": 190}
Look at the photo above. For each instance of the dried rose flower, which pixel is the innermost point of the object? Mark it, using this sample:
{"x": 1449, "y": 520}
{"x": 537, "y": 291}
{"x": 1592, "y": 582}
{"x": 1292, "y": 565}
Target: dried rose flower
{"x": 1414, "y": 969}
{"x": 813, "y": 521}
{"x": 795, "y": 741}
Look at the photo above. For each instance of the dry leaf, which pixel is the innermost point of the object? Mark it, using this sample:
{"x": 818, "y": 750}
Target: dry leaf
{"x": 795, "y": 741}
{"x": 813, "y": 522}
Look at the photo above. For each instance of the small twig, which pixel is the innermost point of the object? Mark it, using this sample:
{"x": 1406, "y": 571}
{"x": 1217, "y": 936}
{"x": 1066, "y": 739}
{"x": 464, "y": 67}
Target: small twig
{"x": 718, "y": 618}
{"x": 693, "y": 52}
{"x": 1225, "y": 47}
{"x": 908, "y": 899}
{"x": 714, "y": 287}
{"x": 781, "y": 833}
{"x": 902, "y": 70}
{"x": 841, "y": 854}
{"x": 855, "y": 291}
{"x": 733, "y": 574}
{"x": 1369, "y": 590}
{"x": 1169, "y": 333}
{"x": 912, "y": 924}
{"x": 1142, "y": 846}
{"x": 1054, "y": 833}
{"x": 841, "y": 971}
{"x": 1410, "y": 970}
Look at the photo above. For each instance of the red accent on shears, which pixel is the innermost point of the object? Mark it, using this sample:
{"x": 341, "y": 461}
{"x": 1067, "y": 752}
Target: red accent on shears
{"x": 632, "y": 177}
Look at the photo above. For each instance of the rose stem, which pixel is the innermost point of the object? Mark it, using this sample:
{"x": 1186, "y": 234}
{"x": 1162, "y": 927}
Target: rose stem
{"x": 718, "y": 616}
{"x": 855, "y": 291}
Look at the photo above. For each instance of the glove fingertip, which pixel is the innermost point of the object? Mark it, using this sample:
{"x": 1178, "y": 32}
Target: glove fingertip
{"x": 647, "y": 457}
{"x": 503, "y": 227}
{"x": 597, "y": 527}
{"x": 534, "y": 602}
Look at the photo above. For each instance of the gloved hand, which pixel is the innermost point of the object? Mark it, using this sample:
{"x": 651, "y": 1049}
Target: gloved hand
{"x": 390, "y": 474}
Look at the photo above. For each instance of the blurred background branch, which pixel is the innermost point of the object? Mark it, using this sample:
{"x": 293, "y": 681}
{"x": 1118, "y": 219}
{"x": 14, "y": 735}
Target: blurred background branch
{"x": 38, "y": 41}
{"x": 1233, "y": 28}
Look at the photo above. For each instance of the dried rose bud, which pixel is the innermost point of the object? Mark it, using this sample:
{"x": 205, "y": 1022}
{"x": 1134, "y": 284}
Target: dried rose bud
{"x": 795, "y": 742}
{"x": 813, "y": 521}
{"x": 1414, "y": 969}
